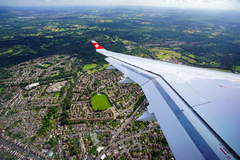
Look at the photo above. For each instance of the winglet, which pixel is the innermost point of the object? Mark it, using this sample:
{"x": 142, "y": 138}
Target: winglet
{"x": 147, "y": 117}
{"x": 97, "y": 46}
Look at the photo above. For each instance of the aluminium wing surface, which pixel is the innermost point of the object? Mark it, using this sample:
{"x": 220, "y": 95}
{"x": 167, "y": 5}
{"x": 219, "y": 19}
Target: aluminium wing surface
{"x": 197, "y": 109}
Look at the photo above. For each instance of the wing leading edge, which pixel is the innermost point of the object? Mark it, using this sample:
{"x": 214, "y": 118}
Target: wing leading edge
{"x": 173, "y": 104}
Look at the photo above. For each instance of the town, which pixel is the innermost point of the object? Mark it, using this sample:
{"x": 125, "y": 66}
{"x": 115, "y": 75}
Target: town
{"x": 59, "y": 108}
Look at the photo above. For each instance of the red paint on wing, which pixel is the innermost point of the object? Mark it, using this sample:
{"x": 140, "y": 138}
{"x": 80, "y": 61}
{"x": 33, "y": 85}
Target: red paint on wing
{"x": 97, "y": 46}
{"x": 222, "y": 151}
{"x": 226, "y": 150}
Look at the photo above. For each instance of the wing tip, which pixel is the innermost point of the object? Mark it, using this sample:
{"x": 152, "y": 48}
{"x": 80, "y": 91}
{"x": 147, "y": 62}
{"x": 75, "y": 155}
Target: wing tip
{"x": 97, "y": 46}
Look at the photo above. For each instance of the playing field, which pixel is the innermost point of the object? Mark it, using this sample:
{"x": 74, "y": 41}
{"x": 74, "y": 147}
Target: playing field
{"x": 89, "y": 66}
{"x": 100, "y": 102}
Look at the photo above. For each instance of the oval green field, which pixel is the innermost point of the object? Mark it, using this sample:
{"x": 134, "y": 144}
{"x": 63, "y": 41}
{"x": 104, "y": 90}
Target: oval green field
{"x": 100, "y": 102}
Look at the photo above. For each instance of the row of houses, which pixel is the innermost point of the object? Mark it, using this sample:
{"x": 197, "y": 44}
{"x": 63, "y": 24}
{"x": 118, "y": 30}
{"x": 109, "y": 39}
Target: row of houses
{"x": 13, "y": 153}
{"x": 17, "y": 143}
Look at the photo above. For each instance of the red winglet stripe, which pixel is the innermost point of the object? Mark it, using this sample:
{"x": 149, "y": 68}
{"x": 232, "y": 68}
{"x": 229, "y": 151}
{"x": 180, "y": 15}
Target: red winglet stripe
{"x": 223, "y": 151}
{"x": 97, "y": 46}
{"x": 226, "y": 150}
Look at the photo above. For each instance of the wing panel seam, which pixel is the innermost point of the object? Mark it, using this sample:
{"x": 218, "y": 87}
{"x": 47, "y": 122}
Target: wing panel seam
{"x": 198, "y": 140}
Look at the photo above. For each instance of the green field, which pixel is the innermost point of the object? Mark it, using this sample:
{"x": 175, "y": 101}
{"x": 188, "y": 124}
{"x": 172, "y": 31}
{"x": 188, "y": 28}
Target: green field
{"x": 237, "y": 68}
{"x": 49, "y": 36}
{"x": 108, "y": 20}
{"x": 57, "y": 94}
{"x": 216, "y": 64}
{"x": 52, "y": 75}
{"x": 61, "y": 30}
{"x": 162, "y": 53}
{"x": 43, "y": 96}
{"x": 94, "y": 70}
{"x": 46, "y": 65}
{"x": 191, "y": 56}
{"x": 93, "y": 27}
{"x": 10, "y": 50}
{"x": 18, "y": 52}
{"x": 127, "y": 42}
{"x": 89, "y": 66}
{"x": 100, "y": 102}
{"x": 30, "y": 27}
{"x": 188, "y": 59}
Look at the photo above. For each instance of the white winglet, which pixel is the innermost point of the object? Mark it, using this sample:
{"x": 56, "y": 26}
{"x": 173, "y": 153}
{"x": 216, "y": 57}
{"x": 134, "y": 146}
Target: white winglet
{"x": 111, "y": 67}
{"x": 126, "y": 80}
{"x": 147, "y": 117}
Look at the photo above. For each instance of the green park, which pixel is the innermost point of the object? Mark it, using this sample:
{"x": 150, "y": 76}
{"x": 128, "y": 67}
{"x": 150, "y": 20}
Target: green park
{"x": 100, "y": 102}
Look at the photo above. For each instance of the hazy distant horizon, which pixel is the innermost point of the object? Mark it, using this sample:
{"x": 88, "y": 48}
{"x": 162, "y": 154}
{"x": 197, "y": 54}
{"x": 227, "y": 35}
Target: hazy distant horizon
{"x": 183, "y": 4}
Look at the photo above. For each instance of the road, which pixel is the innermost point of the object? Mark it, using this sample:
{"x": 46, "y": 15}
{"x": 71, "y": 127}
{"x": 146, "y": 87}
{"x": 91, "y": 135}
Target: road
{"x": 61, "y": 143}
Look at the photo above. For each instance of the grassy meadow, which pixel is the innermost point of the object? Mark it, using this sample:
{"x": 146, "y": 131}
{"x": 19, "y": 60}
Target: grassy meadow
{"x": 100, "y": 102}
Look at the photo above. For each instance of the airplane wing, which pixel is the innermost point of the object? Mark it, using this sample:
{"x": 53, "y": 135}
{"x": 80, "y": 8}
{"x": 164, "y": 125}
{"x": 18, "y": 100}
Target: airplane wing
{"x": 197, "y": 109}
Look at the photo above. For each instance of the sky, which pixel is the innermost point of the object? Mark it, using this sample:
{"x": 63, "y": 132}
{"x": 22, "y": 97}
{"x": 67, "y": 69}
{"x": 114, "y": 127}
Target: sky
{"x": 201, "y": 4}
